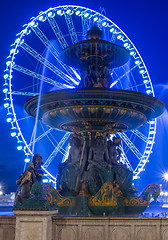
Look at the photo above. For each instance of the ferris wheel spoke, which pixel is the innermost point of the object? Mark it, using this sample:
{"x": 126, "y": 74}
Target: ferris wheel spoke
{"x": 71, "y": 28}
{"x": 41, "y": 136}
{"x": 21, "y": 119}
{"x": 38, "y": 76}
{"x": 126, "y": 73}
{"x": 84, "y": 25}
{"x": 50, "y": 47}
{"x": 56, "y": 150}
{"x": 62, "y": 151}
{"x": 58, "y": 33}
{"x": 131, "y": 146}
{"x": 140, "y": 135}
{"x": 49, "y": 65}
{"x": 45, "y": 41}
{"x": 125, "y": 159}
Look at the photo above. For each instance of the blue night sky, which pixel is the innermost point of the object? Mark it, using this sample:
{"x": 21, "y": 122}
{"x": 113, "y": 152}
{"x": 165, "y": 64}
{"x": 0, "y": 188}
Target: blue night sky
{"x": 145, "y": 23}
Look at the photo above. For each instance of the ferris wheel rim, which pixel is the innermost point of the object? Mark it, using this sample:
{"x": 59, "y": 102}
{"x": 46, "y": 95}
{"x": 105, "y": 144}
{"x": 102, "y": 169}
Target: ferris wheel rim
{"x": 13, "y": 52}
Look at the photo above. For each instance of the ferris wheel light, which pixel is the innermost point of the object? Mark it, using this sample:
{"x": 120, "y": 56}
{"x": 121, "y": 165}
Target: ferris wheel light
{"x": 45, "y": 180}
{"x": 9, "y": 117}
{"x": 12, "y": 51}
{"x": 95, "y": 19}
{"x": 8, "y": 63}
{"x": 145, "y": 81}
{"x": 51, "y": 14}
{"x": 20, "y": 145}
{"x": 42, "y": 18}
{"x": 142, "y": 71}
{"x": 132, "y": 53}
{"x": 27, "y": 160}
{"x": 148, "y": 91}
{"x": 13, "y": 132}
{"x": 137, "y": 62}
{"x": 69, "y": 12}
{"x": 119, "y": 36}
{"x": 86, "y": 14}
{"x": 60, "y": 12}
{"x": 5, "y": 89}
{"x": 33, "y": 24}
{"x": 6, "y": 76}
{"x": 112, "y": 29}
{"x": 126, "y": 44}
{"x": 78, "y": 12}
{"x": 104, "y": 24}
{"x": 7, "y": 103}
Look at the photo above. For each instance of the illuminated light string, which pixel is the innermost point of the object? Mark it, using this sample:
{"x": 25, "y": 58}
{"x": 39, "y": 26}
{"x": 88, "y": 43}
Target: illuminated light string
{"x": 87, "y": 14}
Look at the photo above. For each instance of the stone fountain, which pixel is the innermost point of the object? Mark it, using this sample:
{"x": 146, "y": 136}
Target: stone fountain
{"x": 93, "y": 181}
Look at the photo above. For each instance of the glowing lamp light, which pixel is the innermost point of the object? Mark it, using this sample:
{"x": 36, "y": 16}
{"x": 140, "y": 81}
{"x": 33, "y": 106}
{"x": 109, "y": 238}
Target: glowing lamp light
{"x": 126, "y": 44}
{"x": 152, "y": 122}
{"x": 142, "y": 71}
{"x": 45, "y": 180}
{"x": 12, "y": 50}
{"x": 13, "y": 132}
{"x": 137, "y": 62}
{"x": 60, "y": 12}
{"x": 19, "y": 147}
{"x": 42, "y": 18}
{"x": 95, "y": 19}
{"x": 69, "y": 12}
{"x": 9, "y": 117}
{"x": 7, "y": 103}
{"x": 17, "y": 40}
{"x": 78, "y": 12}
{"x": 51, "y": 14}
{"x": 148, "y": 91}
{"x": 119, "y": 36}
{"x": 104, "y": 24}
{"x": 132, "y": 53}
{"x": 86, "y": 14}
{"x": 5, "y": 88}
{"x": 33, "y": 24}
{"x": 8, "y": 63}
{"x": 165, "y": 175}
{"x": 6, "y": 76}
{"x": 27, "y": 160}
{"x": 166, "y": 194}
{"x": 1, "y": 193}
{"x": 145, "y": 81}
{"x": 112, "y": 30}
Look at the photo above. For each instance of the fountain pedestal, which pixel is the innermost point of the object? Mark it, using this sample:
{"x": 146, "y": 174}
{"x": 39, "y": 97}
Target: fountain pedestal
{"x": 34, "y": 225}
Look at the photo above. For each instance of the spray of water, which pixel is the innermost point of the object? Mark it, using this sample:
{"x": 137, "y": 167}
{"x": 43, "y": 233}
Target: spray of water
{"x": 33, "y": 137}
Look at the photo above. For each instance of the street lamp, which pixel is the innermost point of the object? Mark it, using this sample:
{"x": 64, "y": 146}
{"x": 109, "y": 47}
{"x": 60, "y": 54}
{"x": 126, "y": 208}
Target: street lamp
{"x": 165, "y": 175}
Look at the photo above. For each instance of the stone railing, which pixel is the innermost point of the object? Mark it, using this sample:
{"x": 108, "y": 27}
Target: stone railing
{"x": 108, "y": 228}
{"x": 91, "y": 228}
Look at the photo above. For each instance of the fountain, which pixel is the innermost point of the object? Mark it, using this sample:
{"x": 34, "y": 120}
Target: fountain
{"x": 93, "y": 181}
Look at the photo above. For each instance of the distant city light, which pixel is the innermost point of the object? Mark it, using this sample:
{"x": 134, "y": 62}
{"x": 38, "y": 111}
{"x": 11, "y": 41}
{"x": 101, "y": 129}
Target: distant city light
{"x": 166, "y": 176}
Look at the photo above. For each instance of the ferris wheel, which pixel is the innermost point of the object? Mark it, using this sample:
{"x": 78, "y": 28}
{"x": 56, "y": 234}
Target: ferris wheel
{"x": 34, "y": 64}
